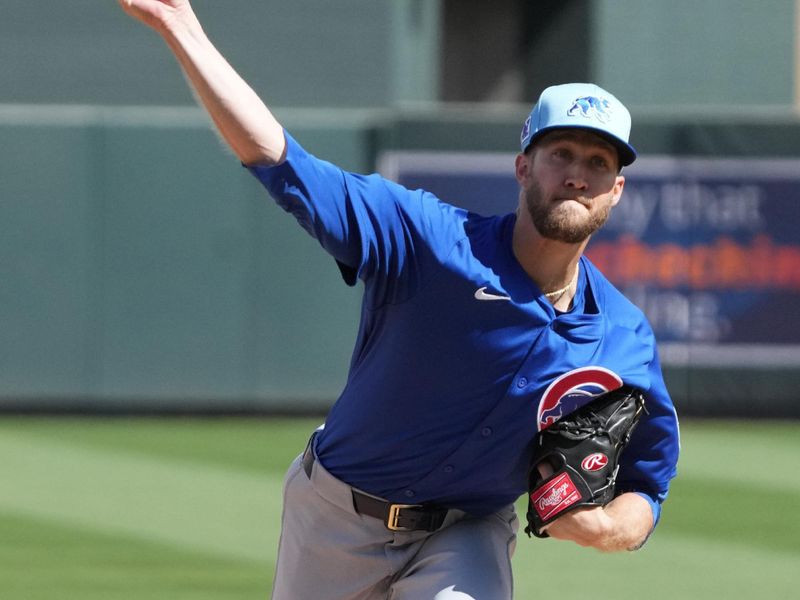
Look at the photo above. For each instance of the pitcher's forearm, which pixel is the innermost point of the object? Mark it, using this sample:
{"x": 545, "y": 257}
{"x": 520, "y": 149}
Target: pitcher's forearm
{"x": 633, "y": 520}
{"x": 243, "y": 120}
{"x": 623, "y": 524}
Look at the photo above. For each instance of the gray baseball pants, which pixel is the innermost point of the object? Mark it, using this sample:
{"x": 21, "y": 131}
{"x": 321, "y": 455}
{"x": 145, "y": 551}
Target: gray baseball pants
{"x": 330, "y": 552}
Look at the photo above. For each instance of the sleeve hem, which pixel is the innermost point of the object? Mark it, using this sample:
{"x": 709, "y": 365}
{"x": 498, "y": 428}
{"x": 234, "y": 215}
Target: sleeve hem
{"x": 655, "y": 506}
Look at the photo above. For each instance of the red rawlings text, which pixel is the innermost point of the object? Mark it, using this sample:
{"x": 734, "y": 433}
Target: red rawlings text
{"x": 555, "y": 496}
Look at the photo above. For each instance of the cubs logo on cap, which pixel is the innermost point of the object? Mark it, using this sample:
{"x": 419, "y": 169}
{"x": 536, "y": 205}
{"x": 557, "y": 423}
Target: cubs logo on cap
{"x": 591, "y": 107}
{"x": 572, "y": 390}
{"x": 582, "y": 106}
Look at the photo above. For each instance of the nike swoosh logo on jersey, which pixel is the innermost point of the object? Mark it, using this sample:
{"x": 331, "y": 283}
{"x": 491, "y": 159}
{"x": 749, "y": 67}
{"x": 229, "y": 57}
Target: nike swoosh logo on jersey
{"x": 482, "y": 294}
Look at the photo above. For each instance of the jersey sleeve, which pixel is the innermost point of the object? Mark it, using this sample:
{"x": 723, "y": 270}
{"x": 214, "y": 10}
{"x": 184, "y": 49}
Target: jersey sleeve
{"x": 376, "y": 230}
{"x": 648, "y": 463}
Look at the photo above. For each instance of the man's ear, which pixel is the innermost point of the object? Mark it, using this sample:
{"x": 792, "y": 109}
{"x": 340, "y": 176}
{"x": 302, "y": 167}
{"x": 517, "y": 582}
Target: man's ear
{"x": 522, "y": 168}
{"x": 619, "y": 184}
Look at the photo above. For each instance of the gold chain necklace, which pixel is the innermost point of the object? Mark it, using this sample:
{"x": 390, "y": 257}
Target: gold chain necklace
{"x": 561, "y": 291}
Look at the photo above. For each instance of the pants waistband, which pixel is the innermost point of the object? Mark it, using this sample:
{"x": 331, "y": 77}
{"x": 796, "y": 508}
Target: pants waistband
{"x": 396, "y": 517}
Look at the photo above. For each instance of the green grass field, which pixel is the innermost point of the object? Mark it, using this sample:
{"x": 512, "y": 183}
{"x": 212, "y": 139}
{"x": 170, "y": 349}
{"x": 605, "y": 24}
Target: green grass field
{"x": 189, "y": 508}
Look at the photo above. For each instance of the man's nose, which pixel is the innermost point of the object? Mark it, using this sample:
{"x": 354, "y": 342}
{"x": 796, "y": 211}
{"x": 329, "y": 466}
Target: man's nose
{"x": 576, "y": 177}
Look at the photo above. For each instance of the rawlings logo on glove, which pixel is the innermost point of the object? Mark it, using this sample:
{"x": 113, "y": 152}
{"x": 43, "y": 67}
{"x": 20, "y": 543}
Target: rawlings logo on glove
{"x": 559, "y": 494}
{"x": 582, "y": 450}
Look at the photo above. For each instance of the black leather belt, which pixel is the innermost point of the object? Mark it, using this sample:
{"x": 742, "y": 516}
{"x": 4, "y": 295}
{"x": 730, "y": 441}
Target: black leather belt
{"x": 396, "y": 517}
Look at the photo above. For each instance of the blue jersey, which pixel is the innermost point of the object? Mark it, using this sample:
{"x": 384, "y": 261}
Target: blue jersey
{"x": 460, "y": 360}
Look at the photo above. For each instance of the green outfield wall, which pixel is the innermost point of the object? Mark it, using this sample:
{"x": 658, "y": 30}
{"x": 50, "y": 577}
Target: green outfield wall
{"x": 721, "y": 54}
{"x": 382, "y": 53}
{"x": 142, "y": 265}
{"x": 307, "y": 53}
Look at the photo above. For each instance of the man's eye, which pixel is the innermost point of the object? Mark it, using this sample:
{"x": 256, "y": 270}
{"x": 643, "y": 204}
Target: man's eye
{"x": 599, "y": 162}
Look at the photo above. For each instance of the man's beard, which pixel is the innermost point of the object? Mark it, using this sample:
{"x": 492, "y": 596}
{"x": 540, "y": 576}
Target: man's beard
{"x": 556, "y": 221}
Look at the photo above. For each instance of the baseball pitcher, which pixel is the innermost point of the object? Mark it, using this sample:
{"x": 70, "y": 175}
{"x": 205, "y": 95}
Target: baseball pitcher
{"x": 492, "y": 360}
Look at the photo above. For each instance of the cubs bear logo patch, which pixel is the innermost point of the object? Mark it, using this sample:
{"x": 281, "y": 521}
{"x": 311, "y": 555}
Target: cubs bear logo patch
{"x": 572, "y": 390}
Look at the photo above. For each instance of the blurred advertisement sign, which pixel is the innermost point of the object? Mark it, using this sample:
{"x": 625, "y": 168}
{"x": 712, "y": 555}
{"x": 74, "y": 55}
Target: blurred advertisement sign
{"x": 708, "y": 248}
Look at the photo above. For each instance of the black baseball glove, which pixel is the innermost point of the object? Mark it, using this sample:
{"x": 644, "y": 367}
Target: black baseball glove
{"x": 582, "y": 450}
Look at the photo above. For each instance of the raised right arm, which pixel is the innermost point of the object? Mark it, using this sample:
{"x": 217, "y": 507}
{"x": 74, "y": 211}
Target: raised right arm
{"x": 241, "y": 118}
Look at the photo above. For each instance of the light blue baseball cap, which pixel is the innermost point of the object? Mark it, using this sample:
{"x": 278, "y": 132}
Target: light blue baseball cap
{"x": 584, "y": 106}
